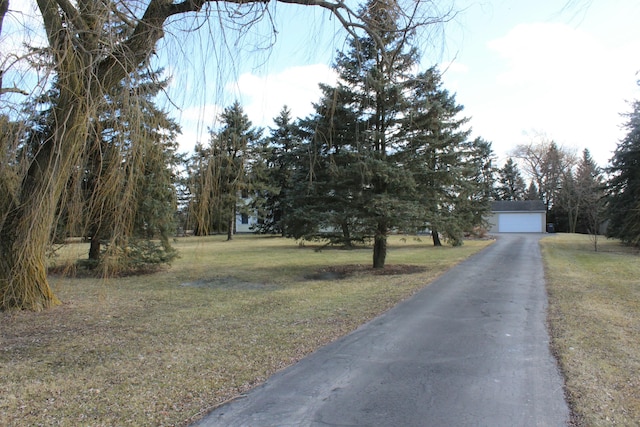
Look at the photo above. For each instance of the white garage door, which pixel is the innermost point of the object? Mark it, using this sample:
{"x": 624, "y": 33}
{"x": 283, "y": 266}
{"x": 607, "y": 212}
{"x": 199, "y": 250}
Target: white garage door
{"x": 520, "y": 223}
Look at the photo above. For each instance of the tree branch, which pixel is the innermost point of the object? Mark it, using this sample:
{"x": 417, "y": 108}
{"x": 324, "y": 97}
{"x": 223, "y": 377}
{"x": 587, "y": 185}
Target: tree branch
{"x": 4, "y": 8}
{"x": 149, "y": 30}
{"x": 51, "y": 20}
{"x": 14, "y": 89}
{"x": 72, "y": 14}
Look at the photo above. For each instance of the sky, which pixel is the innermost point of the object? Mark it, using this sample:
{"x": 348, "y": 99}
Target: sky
{"x": 554, "y": 69}
{"x": 557, "y": 69}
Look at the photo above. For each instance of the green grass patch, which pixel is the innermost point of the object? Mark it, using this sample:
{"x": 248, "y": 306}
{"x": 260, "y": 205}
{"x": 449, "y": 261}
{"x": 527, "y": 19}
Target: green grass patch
{"x": 594, "y": 318}
{"x": 165, "y": 348}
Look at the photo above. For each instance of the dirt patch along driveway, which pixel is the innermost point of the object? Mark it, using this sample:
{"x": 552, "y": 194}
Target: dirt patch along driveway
{"x": 470, "y": 349}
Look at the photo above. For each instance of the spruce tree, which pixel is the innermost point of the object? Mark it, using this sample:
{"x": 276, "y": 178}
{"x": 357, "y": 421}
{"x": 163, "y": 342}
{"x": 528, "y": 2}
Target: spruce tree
{"x": 372, "y": 75}
{"x": 329, "y": 201}
{"x": 146, "y": 147}
{"x": 220, "y": 173}
{"x": 123, "y": 195}
{"x": 590, "y": 189}
{"x": 271, "y": 174}
{"x": 623, "y": 201}
{"x": 532, "y": 192}
{"x": 451, "y": 173}
{"x": 564, "y": 213}
{"x": 474, "y": 201}
{"x": 510, "y": 184}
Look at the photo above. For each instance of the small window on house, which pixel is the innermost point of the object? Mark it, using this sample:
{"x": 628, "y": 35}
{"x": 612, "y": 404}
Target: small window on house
{"x": 245, "y": 194}
{"x": 245, "y": 218}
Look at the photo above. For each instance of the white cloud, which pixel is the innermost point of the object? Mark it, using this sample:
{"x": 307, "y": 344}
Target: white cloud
{"x": 296, "y": 87}
{"x": 562, "y": 81}
{"x": 454, "y": 67}
{"x": 262, "y": 98}
{"x": 545, "y": 52}
{"x": 195, "y": 122}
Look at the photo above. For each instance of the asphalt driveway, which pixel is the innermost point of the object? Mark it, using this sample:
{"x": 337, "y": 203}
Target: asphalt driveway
{"x": 471, "y": 349}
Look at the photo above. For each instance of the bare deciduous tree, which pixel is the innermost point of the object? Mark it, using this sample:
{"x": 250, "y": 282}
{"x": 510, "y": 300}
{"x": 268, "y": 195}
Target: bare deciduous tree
{"x": 544, "y": 162}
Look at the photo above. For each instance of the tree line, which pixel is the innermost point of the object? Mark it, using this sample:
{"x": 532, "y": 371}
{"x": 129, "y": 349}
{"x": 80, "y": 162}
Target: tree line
{"x": 95, "y": 50}
{"x": 385, "y": 150}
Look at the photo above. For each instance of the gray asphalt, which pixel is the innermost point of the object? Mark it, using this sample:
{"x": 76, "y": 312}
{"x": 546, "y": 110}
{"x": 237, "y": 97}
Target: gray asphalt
{"x": 471, "y": 349}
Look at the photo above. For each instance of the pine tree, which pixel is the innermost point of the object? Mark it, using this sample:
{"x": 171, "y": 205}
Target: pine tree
{"x": 146, "y": 148}
{"x": 565, "y": 210}
{"x": 374, "y": 73}
{"x": 510, "y": 184}
{"x": 330, "y": 199}
{"x": 220, "y": 173}
{"x": 123, "y": 194}
{"x": 532, "y": 192}
{"x": 590, "y": 189}
{"x": 474, "y": 201}
{"x": 351, "y": 186}
{"x": 451, "y": 173}
{"x": 272, "y": 174}
{"x": 623, "y": 201}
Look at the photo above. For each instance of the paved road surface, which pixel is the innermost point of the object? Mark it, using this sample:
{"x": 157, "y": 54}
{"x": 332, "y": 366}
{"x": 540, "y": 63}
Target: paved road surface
{"x": 471, "y": 349}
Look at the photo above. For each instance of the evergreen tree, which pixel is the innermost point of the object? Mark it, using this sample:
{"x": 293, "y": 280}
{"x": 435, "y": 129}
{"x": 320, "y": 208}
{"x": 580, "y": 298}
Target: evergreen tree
{"x": 510, "y": 184}
{"x": 453, "y": 176}
{"x": 145, "y": 200}
{"x": 123, "y": 193}
{"x": 532, "y": 192}
{"x": 272, "y": 174}
{"x": 352, "y": 182}
{"x": 330, "y": 200}
{"x": 474, "y": 202}
{"x": 237, "y": 139}
{"x": 220, "y": 173}
{"x": 623, "y": 201}
{"x": 564, "y": 212}
{"x": 374, "y": 73}
{"x": 590, "y": 189}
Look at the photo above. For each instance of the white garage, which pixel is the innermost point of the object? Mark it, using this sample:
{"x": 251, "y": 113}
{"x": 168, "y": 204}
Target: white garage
{"x": 510, "y": 216}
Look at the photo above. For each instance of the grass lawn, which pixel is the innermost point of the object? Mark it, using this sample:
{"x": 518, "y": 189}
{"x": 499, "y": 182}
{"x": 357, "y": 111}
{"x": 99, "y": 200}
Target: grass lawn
{"x": 163, "y": 349}
{"x": 594, "y": 318}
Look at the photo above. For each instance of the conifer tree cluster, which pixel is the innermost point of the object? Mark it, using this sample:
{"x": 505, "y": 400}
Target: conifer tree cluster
{"x": 386, "y": 150}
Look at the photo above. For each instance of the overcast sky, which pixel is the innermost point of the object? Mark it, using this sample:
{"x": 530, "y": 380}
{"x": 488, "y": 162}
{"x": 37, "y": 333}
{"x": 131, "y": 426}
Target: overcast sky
{"x": 562, "y": 69}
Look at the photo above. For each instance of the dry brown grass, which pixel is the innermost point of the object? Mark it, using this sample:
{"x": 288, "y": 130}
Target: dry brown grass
{"x": 162, "y": 349}
{"x": 594, "y": 316}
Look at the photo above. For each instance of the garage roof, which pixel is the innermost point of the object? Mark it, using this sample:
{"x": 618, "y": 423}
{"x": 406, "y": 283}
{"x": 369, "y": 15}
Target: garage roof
{"x": 518, "y": 206}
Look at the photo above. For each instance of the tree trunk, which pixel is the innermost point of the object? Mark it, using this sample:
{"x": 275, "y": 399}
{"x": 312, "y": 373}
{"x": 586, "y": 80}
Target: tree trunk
{"x": 380, "y": 246}
{"x": 23, "y": 273}
{"x": 436, "y": 237}
{"x": 26, "y": 232}
{"x": 94, "y": 248}
{"x": 346, "y": 235}
{"x": 232, "y": 223}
